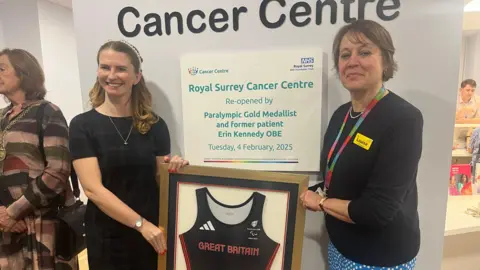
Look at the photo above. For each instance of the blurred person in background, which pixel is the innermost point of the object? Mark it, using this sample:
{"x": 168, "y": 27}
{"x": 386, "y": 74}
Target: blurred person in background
{"x": 467, "y": 112}
{"x": 468, "y": 104}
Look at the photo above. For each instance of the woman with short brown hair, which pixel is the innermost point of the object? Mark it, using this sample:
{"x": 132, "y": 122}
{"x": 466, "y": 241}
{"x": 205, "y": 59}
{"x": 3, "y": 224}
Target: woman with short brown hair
{"x": 369, "y": 159}
{"x": 32, "y": 185}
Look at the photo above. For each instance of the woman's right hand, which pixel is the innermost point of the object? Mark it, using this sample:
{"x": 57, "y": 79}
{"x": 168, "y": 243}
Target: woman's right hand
{"x": 310, "y": 200}
{"x": 155, "y": 236}
{"x": 7, "y": 224}
{"x": 19, "y": 227}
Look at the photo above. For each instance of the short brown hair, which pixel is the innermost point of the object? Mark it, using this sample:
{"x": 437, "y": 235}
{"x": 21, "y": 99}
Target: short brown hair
{"x": 374, "y": 32}
{"x": 28, "y": 70}
{"x": 470, "y": 82}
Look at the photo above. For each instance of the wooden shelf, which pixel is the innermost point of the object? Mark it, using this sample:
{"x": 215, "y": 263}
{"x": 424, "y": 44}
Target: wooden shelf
{"x": 457, "y": 221}
{"x": 461, "y": 153}
{"x": 466, "y": 125}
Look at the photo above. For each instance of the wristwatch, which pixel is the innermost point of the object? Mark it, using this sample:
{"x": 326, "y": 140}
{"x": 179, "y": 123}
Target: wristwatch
{"x": 139, "y": 223}
{"x": 321, "y": 203}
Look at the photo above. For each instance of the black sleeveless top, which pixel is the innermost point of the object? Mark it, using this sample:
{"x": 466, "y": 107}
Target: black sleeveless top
{"x": 212, "y": 244}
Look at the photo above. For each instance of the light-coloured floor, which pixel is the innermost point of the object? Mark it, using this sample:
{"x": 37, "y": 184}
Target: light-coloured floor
{"x": 82, "y": 259}
{"x": 461, "y": 252}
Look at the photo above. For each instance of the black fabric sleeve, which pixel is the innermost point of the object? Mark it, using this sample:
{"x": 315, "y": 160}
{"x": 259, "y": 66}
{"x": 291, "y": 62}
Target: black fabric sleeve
{"x": 81, "y": 145}
{"x": 161, "y": 136}
{"x": 336, "y": 116}
{"x": 321, "y": 178}
{"x": 394, "y": 172}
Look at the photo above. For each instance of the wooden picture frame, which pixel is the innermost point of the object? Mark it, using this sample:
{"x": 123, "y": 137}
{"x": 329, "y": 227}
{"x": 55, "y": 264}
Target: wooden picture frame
{"x": 273, "y": 198}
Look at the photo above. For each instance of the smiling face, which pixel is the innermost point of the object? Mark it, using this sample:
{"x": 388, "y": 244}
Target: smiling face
{"x": 9, "y": 81}
{"x": 360, "y": 63}
{"x": 116, "y": 74}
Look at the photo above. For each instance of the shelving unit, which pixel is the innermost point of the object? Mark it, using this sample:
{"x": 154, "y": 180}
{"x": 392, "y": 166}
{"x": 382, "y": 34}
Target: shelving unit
{"x": 460, "y": 153}
{"x": 463, "y": 153}
{"x": 457, "y": 221}
{"x": 466, "y": 125}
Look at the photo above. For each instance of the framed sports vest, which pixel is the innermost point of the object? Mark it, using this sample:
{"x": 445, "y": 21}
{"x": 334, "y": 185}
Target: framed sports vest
{"x": 217, "y": 218}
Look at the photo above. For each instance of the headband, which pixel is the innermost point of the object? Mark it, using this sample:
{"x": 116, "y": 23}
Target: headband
{"x": 140, "y": 59}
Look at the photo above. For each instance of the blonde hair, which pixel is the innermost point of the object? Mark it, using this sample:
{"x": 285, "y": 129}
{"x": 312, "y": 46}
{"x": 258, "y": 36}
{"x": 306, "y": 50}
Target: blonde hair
{"x": 141, "y": 99}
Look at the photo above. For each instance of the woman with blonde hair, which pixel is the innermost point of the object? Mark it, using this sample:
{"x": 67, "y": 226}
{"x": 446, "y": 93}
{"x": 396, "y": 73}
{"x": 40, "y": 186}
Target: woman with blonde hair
{"x": 117, "y": 147}
{"x": 35, "y": 167}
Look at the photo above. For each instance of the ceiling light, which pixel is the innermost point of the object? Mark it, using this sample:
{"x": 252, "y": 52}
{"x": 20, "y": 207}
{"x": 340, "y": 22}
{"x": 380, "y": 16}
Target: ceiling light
{"x": 473, "y": 6}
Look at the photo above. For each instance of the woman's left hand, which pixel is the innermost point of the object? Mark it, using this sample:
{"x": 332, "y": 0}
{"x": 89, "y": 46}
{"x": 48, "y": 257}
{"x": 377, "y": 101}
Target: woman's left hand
{"x": 6, "y": 222}
{"x": 311, "y": 200}
{"x": 175, "y": 163}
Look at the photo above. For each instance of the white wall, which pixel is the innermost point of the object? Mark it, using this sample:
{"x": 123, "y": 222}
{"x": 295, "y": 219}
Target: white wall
{"x": 20, "y": 31}
{"x": 20, "y": 26}
{"x": 16, "y": 33}
{"x": 60, "y": 63}
{"x": 60, "y": 57}
{"x": 2, "y": 38}
{"x": 462, "y": 60}
{"x": 472, "y": 56}
{"x": 428, "y": 71}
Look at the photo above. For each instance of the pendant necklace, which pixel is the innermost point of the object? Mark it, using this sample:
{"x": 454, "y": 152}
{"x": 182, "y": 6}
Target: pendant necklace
{"x": 125, "y": 141}
{"x": 353, "y": 117}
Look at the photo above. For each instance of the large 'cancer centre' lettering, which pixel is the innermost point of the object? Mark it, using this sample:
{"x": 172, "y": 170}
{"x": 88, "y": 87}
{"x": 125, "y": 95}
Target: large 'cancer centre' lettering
{"x": 220, "y": 20}
{"x": 217, "y": 21}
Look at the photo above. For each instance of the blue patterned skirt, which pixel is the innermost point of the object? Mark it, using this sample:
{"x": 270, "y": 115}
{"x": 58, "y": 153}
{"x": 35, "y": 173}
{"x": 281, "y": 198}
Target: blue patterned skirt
{"x": 337, "y": 261}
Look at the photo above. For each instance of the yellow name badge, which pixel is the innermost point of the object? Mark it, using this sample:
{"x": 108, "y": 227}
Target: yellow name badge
{"x": 363, "y": 141}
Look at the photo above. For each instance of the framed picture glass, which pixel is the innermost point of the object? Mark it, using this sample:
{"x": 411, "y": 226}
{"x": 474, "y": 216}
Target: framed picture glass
{"x": 218, "y": 218}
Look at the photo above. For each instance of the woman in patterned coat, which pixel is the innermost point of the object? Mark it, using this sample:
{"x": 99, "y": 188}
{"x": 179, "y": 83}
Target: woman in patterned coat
{"x": 31, "y": 185}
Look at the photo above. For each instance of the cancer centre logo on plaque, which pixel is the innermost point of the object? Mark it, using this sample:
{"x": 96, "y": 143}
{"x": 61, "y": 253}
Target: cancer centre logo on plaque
{"x": 193, "y": 71}
{"x": 203, "y": 71}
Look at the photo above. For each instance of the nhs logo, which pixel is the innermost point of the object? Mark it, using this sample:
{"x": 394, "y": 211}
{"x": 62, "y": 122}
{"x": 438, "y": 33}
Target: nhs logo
{"x": 306, "y": 64}
{"x": 307, "y": 60}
